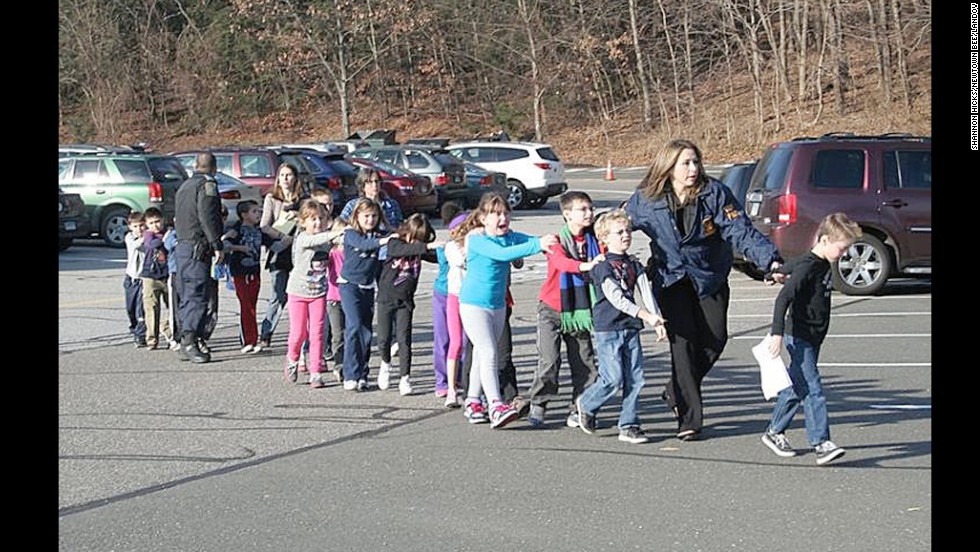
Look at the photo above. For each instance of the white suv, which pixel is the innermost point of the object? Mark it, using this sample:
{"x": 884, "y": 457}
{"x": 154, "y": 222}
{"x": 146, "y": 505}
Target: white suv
{"x": 534, "y": 171}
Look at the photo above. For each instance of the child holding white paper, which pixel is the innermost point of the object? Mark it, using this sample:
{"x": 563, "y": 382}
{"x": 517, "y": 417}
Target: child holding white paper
{"x": 801, "y": 316}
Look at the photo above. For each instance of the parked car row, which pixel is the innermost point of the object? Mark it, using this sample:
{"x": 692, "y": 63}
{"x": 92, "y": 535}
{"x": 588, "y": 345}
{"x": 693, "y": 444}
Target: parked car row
{"x": 113, "y": 180}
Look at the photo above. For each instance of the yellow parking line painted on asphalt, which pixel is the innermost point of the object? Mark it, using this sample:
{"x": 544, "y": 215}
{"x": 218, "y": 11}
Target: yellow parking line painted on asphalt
{"x": 90, "y": 303}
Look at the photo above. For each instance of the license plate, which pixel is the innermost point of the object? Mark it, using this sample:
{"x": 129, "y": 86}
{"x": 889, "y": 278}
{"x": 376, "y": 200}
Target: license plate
{"x": 70, "y": 225}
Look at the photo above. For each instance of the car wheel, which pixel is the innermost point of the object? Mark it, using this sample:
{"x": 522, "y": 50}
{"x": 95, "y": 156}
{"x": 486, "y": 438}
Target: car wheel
{"x": 864, "y": 268}
{"x": 115, "y": 224}
{"x": 64, "y": 243}
{"x": 516, "y": 194}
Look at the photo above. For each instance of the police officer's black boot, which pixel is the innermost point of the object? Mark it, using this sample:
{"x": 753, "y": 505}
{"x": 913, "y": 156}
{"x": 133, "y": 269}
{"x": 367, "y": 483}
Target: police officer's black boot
{"x": 189, "y": 349}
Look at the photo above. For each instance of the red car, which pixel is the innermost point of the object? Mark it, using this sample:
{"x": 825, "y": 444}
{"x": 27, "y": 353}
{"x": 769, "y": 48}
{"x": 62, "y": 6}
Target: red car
{"x": 413, "y": 192}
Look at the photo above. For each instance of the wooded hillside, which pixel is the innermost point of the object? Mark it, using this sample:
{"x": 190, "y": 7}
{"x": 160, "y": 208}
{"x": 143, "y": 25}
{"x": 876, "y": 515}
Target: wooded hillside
{"x": 599, "y": 79}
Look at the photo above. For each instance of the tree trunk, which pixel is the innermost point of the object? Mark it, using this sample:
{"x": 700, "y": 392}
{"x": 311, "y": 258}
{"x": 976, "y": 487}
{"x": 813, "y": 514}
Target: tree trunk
{"x": 641, "y": 72}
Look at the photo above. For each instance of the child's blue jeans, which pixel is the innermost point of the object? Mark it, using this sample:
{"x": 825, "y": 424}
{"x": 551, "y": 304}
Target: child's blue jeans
{"x": 806, "y": 389}
{"x": 620, "y": 366}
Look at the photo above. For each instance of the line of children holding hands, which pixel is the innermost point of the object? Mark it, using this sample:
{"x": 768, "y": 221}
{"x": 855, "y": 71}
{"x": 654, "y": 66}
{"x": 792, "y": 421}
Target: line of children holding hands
{"x": 593, "y": 290}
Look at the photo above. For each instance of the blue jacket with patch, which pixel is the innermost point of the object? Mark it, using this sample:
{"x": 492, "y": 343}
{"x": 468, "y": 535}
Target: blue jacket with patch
{"x": 704, "y": 255}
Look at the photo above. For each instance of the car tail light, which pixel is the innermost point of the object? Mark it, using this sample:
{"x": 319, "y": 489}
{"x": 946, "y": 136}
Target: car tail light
{"x": 544, "y": 166}
{"x": 156, "y": 192}
{"x": 231, "y": 194}
{"x": 787, "y": 209}
{"x": 335, "y": 183}
{"x": 486, "y": 181}
{"x": 441, "y": 179}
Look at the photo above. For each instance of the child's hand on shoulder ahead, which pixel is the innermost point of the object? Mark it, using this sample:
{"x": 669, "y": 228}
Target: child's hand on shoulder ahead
{"x": 436, "y": 244}
{"x": 548, "y": 241}
{"x": 658, "y": 323}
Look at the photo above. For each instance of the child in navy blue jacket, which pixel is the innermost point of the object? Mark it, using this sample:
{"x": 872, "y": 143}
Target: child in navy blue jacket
{"x": 154, "y": 275}
{"x": 358, "y": 281}
{"x": 617, "y": 318}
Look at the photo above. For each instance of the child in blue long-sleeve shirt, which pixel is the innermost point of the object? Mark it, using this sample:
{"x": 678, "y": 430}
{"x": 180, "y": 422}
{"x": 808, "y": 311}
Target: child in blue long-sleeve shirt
{"x": 490, "y": 248}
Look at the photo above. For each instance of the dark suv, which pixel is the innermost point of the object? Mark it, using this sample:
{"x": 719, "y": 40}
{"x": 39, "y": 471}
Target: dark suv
{"x": 884, "y": 183}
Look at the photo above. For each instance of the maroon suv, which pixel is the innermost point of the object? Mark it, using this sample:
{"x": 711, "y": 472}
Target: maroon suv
{"x": 884, "y": 183}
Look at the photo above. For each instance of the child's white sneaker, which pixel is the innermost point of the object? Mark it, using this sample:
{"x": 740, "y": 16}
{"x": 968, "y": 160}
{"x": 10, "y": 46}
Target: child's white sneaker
{"x": 405, "y": 386}
{"x": 384, "y": 376}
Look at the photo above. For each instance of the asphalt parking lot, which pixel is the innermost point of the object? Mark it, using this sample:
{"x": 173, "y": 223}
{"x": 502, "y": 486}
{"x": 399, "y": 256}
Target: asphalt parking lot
{"x": 154, "y": 454}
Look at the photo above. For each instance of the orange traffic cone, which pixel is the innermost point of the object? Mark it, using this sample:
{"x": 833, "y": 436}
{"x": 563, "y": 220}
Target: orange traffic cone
{"x": 609, "y": 171}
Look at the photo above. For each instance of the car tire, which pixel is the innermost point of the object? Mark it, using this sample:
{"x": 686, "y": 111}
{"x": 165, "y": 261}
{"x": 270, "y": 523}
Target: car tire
{"x": 115, "y": 225}
{"x": 516, "y": 194}
{"x": 864, "y": 268}
{"x": 64, "y": 243}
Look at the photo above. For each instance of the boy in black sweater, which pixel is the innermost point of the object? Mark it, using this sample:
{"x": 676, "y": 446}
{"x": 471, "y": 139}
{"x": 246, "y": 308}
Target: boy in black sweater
{"x": 805, "y": 297}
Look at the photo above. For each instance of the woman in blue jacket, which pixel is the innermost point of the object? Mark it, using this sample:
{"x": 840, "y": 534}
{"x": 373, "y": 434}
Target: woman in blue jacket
{"x": 693, "y": 222}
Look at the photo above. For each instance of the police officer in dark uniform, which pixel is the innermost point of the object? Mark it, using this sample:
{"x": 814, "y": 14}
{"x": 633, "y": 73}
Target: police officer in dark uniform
{"x": 693, "y": 222}
{"x": 199, "y": 226}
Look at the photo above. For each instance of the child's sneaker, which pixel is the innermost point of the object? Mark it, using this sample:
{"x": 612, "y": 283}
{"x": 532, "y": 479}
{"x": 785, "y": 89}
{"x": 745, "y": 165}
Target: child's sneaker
{"x": 394, "y": 349}
{"x": 633, "y": 434}
{"x": 441, "y": 393}
{"x": 475, "y": 413}
{"x": 350, "y": 385}
{"x": 291, "y": 372}
{"x": 827, "y": 451}
{"x": 521, "y": 405}
{"x": 452, "y": 400}
{"x": 174, "y": 345}
{"x": 384, "y": 376}
{"x": 586, "y": 421}
{"x": 405, "y": 386}
{"x": 302, "y": 361}
{"x": 316, "y": 381}
{"x": 535, "y": 416}
{"x": 572, "y": 420}
{"x": 257, "y": 348}
{"x": 778, "y": 443}
{"x": 247, "y": 349}
{"x": 362, "y": 384}
{"x": 501, "y": 415}
{"x": 338, "y": 374}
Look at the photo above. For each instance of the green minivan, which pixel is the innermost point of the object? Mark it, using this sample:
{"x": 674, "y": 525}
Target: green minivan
{"x": 112, "y": 184}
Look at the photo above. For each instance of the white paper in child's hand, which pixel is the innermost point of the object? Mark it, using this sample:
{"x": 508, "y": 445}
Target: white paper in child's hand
{"x": 771, "y": 369}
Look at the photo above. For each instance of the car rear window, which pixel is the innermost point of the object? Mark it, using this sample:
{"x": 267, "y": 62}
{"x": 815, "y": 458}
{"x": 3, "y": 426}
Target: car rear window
{"x": 446, "y": 159}
{"x": 342, "y": 166}
{"x": 838, "y": 169}
{"x": 507, "y": 154}
{"x": 548, "y": 153}
{"x": 416, "y": 160}
{"x": 131, "y": 169}
{"x": 771, "y": 172}
{"x": 166, "y": 168}
{"x": 908, "y": 170}
{"x": 255, "y": 165}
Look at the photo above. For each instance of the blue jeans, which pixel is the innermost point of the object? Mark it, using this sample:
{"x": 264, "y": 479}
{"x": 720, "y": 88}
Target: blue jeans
{"x": 620, "y": 366}
{"x": 807, "y": 389}
{"x": 277, "y": 304}
{"x": 358, "y": 306}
